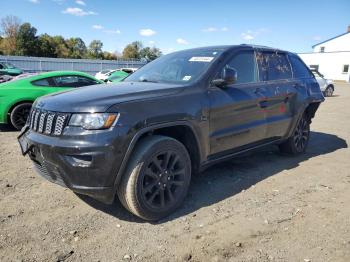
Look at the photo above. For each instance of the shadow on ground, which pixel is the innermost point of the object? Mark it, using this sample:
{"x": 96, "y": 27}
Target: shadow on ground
{"x": 7, "y": 128}
{"x": 228, "y": 178}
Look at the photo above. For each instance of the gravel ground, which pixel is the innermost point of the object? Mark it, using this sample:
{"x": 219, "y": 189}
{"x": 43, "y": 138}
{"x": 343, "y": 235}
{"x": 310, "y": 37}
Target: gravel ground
{"x": 262, "y": 206}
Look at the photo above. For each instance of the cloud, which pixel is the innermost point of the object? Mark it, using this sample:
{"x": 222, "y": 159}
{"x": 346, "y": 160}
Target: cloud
{"x": 252, "y": 34}
{"x": 78, "y": 11}
{"x": 247, "y": 36}
{"x": 214, "y": 29}
{"x": 97, "y": 27}
{"x": 210, "y": 29}
{"x": 80, "y": 2}
{"x": 34, "y": 1}
{"x": 147, "y": 32}
{"x": 181, "y": 41}
{"x": 151, "y": 42}
{"x": 113, "y": 32}
{"x": 316, "y": 38}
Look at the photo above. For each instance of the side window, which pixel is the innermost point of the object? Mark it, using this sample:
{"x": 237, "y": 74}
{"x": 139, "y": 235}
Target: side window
{"x": 67, "y": 81}
{"x": 84, "y": 81}
{"x": 273, "y": 66}
{"x": 42, "y": 82}
{"x": 244, "y": 64}
{"x": 299, "y": 68}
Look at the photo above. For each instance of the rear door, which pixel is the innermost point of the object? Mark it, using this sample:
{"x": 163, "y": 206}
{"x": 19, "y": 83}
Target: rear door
{"x": 276, "y": 74}
{"x": 236, "y": 119}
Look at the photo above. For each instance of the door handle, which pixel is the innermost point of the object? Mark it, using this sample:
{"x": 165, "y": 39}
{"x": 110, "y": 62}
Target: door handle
{"x": 263, "y": 103}
{"x": 259, "y": 91}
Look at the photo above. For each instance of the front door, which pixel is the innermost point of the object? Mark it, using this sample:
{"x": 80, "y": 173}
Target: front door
{"x": 237, "y": 111}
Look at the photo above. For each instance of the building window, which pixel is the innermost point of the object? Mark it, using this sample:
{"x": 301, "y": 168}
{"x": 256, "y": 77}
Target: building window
{"x": 314, "y": 67}
{"x": 322, "y": 49}
{"x": 345, "y": 69}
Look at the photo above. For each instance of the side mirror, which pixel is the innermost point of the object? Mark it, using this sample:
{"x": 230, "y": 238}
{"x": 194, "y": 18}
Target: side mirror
{"x": 229, "y": 77}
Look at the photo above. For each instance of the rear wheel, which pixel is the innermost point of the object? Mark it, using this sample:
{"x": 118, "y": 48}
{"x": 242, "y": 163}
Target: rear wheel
{"x": 19, "y": 115}
{"x": 157, "y": 178}
{"x": 298, "y": 142}
{"x": 329, "y": 91}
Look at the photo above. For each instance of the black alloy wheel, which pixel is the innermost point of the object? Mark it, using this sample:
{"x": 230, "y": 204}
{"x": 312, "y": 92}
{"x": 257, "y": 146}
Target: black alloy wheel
{"x": 19, "y": 115}
{"x": 157, "y": 178}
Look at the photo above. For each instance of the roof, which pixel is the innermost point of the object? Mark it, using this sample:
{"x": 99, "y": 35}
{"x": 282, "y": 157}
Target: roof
{"x": 330, "y": 39}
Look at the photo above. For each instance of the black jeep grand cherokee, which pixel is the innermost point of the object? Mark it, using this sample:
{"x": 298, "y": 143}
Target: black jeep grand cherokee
{"x": 143, "y": 138}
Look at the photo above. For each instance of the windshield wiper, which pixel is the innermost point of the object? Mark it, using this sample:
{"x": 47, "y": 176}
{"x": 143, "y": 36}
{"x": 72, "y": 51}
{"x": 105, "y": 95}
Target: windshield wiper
{"x": 147, "y": 80}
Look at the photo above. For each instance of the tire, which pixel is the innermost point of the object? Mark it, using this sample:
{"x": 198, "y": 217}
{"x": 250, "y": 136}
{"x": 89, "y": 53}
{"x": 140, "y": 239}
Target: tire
{"x": 157, "y": 178}
{"x": 297, "y": 143}
{"x": 329, "y": 91}
{"x": 19, "y": 115}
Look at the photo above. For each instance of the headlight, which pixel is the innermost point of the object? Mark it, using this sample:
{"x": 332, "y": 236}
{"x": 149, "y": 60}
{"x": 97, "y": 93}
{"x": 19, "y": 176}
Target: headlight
{"x": 93, "y": 121}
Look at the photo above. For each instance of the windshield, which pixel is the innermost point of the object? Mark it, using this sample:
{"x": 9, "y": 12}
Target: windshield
{"x": 9, "y": 65}
{"x": 179, "y": 67}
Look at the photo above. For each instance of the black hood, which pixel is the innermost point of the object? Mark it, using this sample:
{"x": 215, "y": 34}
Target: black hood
{"x": 99, "y": 98}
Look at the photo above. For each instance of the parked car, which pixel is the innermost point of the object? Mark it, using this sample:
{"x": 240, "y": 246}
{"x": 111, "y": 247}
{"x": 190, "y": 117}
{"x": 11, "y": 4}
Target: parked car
{"x": 104, "y": 74}
{"x": 5, "y": 78}
{"x": 9, "y": 69}
{"x": 143, "y": 138}
{"x": 16, "y": 97}
{"x": 107, "y": 75}
{"x": 117, "y": 76}
{"x": 326, "y": 85}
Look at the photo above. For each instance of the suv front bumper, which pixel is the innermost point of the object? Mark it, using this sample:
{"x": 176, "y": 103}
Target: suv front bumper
{"x": 87, "y": 164}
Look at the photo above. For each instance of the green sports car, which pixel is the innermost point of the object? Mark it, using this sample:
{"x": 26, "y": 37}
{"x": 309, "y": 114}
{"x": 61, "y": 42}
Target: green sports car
{"x": 17, "y": 96}
{"x": 9, "y": 69}
{"x": 117, "y": 76}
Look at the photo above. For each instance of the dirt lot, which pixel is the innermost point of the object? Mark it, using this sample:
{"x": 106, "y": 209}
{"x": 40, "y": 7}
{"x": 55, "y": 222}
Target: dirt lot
{"x": 258, "y": 207}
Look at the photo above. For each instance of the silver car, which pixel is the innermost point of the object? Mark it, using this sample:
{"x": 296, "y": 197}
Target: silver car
{"x": 326, "y": 85}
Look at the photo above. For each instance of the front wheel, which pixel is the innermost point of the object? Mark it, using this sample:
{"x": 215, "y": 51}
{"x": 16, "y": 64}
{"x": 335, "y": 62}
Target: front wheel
{"x": 298, "y": 142}
{"x": 157, "y": 178}
{"x": 19, "y": 115}
{"x": 329, "y": 91}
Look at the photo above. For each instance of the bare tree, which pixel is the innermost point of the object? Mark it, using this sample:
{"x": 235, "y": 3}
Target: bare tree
{"x": 9, "y": 30}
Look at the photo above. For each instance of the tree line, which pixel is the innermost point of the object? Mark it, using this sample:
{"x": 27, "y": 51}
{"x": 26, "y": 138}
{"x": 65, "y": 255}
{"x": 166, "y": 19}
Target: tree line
{"x": 21, "y": 39}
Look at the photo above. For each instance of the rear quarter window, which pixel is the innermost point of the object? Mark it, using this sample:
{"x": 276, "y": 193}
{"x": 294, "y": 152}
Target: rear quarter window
{"x": 42, "y": 82}
{"x": 300, "y": 70}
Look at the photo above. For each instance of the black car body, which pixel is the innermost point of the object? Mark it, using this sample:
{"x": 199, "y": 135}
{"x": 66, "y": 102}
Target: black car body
{"x": 231, "y": 99}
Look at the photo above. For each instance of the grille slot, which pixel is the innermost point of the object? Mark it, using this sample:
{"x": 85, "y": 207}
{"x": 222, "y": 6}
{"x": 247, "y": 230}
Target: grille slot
{"x": 49, "y": 123}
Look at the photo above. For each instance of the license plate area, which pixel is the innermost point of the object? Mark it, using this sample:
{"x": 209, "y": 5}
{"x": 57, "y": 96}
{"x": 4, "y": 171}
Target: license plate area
{"x": 23, "y": 142}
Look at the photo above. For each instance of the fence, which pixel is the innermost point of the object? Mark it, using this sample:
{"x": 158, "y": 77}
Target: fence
{"x": 44, "y": 64}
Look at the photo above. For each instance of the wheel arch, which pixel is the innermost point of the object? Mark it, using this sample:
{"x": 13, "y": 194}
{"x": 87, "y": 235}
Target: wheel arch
{"x": 182, "y": 131}
{"x": 8, "y": 113}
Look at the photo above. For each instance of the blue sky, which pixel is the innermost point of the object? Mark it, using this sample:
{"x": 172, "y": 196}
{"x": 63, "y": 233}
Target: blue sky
{"x": 178, "y": 24}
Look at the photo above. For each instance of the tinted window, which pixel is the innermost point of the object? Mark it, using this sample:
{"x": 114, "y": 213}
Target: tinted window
{"x": 299, "y": 68}
{"x": 42, "y": 82}
{"x": 1, "y": 66}
{"x": 73, "y": 81}
{"x": 273, "y": 66}
{"x": 84, "y": 81}
{"x": 244, "y": 64}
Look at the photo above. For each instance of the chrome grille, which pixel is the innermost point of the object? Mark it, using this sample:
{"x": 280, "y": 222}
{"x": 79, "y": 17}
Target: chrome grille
{"x": 49, "y": 123}
{"x": 41, "y": 122}
{"x": 61, "y": 119}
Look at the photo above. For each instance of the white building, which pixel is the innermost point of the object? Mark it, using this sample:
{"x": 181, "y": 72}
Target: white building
{"x": 331, "y": 57}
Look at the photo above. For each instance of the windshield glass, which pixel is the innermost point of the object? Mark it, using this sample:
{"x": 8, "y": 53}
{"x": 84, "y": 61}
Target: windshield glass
{"x": 179, "y": 67}
{"x": 9, "y": 65}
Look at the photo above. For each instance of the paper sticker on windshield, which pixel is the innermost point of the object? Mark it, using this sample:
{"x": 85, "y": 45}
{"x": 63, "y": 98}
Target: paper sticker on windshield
{"x": 206, "y": 59}
{"x": 186, "y": 78}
